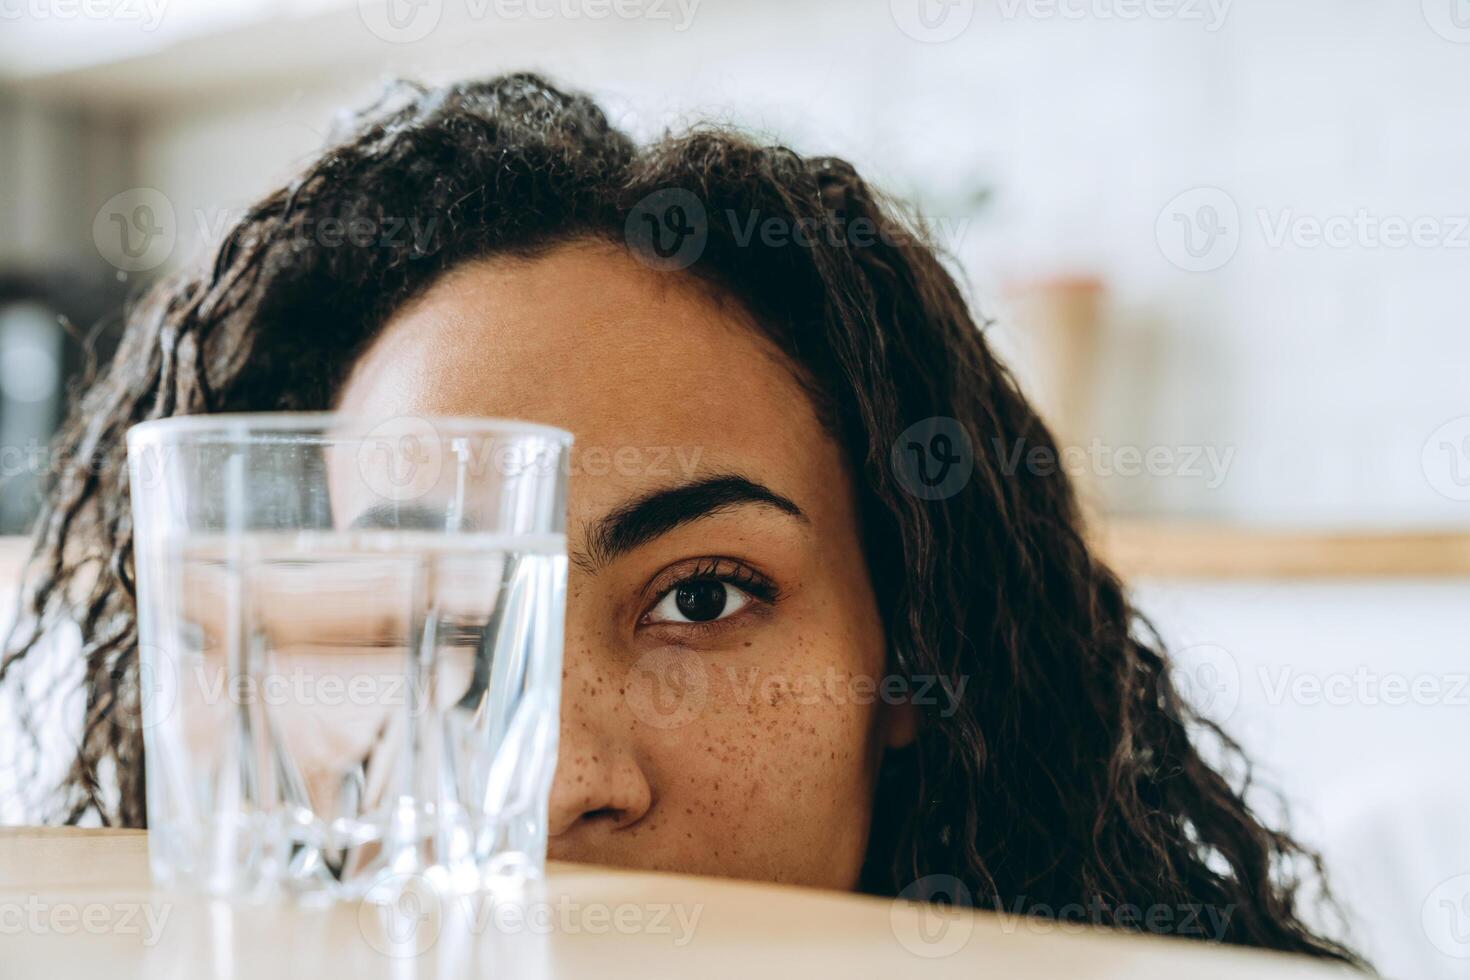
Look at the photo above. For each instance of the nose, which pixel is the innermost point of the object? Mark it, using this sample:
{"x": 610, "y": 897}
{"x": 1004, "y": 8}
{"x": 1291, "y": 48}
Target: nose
{"x": 595, "y": 784}
{"x": 599, "y": 781}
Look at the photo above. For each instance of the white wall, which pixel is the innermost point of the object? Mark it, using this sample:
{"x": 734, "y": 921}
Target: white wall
{"x": 1353, "y": 700}
{"x": 1324, "y": 370}
{"x": 57, "y": 164}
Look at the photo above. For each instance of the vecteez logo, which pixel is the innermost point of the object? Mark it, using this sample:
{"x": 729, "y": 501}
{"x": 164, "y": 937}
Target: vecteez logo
{"x": 933, "y": 458}
{"x": 1445, "y": 459}
{"x": 931, "y": 917}
{"x": 147, "y": 15}
{"x": 932, "y": 21}
{"x": 1450, "y": 19}
{"x": 407, "y": 21}
{"x": 401, "y": 459}
{"x": 401, "y": 916}
{"x": 1445, "y": 916}
{"x": 1199, "y": 229}
{"x": 400, "y": 21}
{"x": 1208, "y": 677}
{"x": 1211, "y": 14}
{"x": 666, "y": 690}
{"x": 135, "y": 231}
{"x": 667, "y": 230}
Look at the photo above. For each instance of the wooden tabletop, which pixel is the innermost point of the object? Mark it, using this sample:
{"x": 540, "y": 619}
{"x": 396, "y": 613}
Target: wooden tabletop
{"x": 78, "y": 903}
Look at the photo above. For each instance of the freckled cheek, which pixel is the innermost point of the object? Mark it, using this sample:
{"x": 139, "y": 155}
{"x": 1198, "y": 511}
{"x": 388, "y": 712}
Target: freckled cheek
{"x": 773, "y": 749}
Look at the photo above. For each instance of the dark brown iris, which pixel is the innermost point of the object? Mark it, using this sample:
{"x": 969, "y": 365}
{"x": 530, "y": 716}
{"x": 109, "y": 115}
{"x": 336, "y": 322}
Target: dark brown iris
{"x": 701, "y": 600}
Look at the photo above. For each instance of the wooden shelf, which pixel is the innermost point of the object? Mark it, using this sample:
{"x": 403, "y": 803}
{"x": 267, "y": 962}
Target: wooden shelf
{"x": 1161, "y": 549}
{"x": 1154, "y": 549}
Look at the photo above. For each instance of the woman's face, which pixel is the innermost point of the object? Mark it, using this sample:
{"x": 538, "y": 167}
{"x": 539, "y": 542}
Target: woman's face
{"x": 721, "y": 708}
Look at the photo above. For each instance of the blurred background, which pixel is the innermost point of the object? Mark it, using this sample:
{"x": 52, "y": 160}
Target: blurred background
{"x": 1225, "y": 245}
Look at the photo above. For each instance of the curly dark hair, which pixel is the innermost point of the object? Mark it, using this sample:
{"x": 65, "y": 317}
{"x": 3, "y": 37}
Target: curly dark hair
{"x": 1071, "y": 771}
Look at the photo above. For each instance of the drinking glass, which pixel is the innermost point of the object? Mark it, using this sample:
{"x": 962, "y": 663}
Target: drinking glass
{"x": 350, "y": 639}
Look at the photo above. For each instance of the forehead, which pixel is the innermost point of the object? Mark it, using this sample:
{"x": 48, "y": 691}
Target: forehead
{"x": 633, "y": 361}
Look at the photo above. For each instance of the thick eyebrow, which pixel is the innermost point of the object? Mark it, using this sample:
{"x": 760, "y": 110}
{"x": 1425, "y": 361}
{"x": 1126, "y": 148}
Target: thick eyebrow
{"x": 659, "y": 512}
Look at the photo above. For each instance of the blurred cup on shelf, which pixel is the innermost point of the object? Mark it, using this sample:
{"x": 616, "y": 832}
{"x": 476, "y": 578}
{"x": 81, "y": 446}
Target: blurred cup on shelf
{"x": 1057, "y": 332}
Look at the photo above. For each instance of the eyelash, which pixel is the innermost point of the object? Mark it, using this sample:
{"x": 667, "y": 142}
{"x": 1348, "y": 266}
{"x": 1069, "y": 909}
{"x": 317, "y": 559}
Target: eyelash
{"x": 726, "y": 570}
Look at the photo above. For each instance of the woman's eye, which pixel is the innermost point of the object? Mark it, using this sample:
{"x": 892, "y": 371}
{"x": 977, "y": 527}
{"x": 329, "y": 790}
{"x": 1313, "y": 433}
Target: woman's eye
{"x": 698, "y": 601}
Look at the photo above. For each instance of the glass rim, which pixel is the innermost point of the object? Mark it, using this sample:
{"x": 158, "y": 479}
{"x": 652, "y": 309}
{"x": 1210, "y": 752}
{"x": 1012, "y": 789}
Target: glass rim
{"x": 245, "y": 425}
